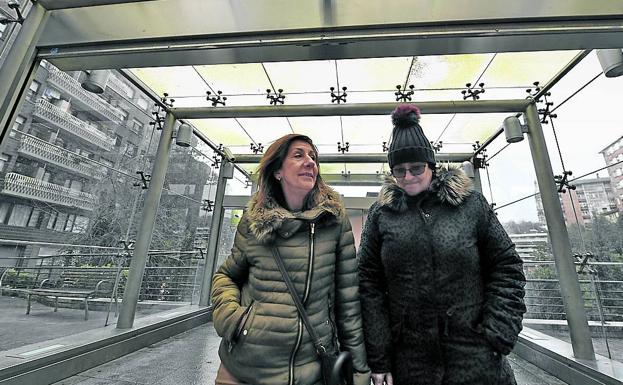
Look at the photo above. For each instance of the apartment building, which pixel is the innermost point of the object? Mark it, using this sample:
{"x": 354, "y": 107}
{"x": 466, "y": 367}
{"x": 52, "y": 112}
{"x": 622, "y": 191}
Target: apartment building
{"x": 613, "y": 155}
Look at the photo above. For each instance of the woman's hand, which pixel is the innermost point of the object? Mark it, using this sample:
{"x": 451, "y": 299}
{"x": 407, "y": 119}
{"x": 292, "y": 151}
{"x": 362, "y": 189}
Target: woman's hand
{"x": 382, "y": 378}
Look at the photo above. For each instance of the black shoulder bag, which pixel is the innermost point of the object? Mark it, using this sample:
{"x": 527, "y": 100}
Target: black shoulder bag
{"x": 337, "y": 368}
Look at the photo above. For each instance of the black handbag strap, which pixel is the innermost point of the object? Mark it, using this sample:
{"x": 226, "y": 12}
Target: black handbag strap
{"x": 320, "y": 349}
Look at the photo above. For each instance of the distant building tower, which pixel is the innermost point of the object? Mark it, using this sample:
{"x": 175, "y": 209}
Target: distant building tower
{"x": 613, "y": 153}
{"x": 539, "y": 205}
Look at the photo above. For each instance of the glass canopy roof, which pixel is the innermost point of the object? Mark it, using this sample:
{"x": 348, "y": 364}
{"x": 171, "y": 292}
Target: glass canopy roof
{"x": 434, "y": 78}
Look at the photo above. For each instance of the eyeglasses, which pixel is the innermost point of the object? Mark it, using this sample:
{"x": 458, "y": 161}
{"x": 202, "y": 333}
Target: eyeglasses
{"x": 401, "y": 172}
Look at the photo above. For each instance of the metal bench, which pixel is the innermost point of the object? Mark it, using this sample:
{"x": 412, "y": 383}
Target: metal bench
{"x": 77, "y": 283}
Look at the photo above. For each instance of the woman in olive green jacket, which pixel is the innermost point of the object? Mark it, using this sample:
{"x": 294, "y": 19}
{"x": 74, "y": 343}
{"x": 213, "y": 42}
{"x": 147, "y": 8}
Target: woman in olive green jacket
{"x": 264, "y": 339}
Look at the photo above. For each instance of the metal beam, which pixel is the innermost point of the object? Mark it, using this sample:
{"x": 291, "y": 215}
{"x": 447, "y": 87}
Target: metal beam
{"x": 437, "y": 107}
{"x": 561, "y": 247}
{"x": 138, "y": 34}
{"x": 357, "y": 158}
{"x": 19, "y": 65}
{"x": 146, "y": 227}
{"x": 66, "y": 4}
{"x": 225, "y": 172}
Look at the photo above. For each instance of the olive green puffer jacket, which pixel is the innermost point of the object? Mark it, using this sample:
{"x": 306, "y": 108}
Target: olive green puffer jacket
{"x": 264, "y": 339}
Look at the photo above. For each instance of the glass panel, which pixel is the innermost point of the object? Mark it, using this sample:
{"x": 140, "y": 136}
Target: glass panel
{"x": 447, "y": 71}
{"x": 373, "y": 74}
{"x": 323, "y": 130}
{"x": 176, "y": 81}
{"x": 236, "y": 79}
{"x": 224, "y": 131}
{"x": 521, "y": 69}
{"x": 302, "y": 76}
{"x": 265, "y": 130}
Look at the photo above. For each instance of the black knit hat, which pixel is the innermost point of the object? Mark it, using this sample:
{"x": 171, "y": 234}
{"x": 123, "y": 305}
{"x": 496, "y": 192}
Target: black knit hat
{"x": 408, "y": 142}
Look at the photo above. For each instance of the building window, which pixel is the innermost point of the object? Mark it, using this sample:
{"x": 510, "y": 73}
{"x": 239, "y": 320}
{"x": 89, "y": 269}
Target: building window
{"x": 124, "y": 114}
{"x": 17, "y": 125}
{"x": 136, "y": 126}
{"x": 52, "y": 220}
{"x": 19, "y": 215}
{"x": 131, "y": 150}
{"x": 4, "y": 211}
{"x": 34, "y": 218}
{"x": 32, "y": 91}
{"x": 60, "y": 222}
{"x": 4, "y": 161}
{"x": 142, "y": 102}
{"x": 80, "y": 224}
{"x": 70, "y": 222}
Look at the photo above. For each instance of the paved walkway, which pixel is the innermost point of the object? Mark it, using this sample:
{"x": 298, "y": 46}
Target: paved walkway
{"x": 191, "y": 358}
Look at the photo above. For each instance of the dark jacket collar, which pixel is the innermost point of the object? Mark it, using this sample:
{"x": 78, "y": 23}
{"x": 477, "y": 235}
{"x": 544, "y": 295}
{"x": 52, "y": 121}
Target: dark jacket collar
{"x": 267, "y": 218}
{"x": 449, "y": 186}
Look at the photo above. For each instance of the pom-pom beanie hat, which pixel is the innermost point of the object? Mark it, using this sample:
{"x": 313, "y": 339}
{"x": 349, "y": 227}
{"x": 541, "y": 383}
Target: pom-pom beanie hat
{"x": 408, "y": 142}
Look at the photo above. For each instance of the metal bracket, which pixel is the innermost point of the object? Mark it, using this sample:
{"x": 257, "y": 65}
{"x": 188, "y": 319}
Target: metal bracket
{"x": 276, "y": 98}
{"x": 14, "y": 5}
{"x": 341, "y": 148}
{"x": 257, "y": 148}
{"x": 144, "y": 182}
{"x": 403, "y": 96}
{"x": 437, "y": 146}
{"x": 563, "y": 182}
{"x": 207, "y": 205}
{"x": 216, "y": 99}
{"x": 582, "y": 261}
{"x": 473, "y": 92}
{"x": 339, "y": 97}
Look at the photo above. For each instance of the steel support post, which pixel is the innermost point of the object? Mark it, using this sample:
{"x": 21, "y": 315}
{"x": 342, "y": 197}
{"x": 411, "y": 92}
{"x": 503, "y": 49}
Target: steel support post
{"x": 561, "y": 247}
{"x": 146, "y": 227}
{"x": 477, "y": 181}
{"x": 19, "y": 64}
{"x": 226, "y": 172}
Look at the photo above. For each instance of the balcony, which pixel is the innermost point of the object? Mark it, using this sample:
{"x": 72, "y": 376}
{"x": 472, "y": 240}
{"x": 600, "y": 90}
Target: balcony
{"x": 120, "y": 87}
{"x": 40, "y": 149}
{"x": 92, "y": 102}
{"x": 66, "y": 121}
{"x": 30, "y": 188}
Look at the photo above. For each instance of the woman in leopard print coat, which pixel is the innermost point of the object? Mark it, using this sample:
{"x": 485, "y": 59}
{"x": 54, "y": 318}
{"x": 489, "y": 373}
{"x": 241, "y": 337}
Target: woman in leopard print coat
{"x": 441, "y": 284}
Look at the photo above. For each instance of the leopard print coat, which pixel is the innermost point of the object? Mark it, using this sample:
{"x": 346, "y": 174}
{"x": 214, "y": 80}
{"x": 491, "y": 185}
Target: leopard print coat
{"x": 441, "y": 286}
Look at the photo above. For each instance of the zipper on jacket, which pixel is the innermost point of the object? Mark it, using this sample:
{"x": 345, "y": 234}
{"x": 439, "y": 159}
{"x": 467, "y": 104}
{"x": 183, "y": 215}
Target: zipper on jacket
{"x": 310, "y": 268}
{"x": 299, "y": 337}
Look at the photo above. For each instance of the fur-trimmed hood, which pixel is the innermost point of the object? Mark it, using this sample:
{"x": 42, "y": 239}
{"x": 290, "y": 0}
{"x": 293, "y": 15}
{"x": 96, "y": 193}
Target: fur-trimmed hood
{"x": 449, "y": 186}
{"x": 267, "y": 217}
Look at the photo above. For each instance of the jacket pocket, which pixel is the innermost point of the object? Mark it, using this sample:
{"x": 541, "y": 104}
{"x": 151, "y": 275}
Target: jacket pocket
{"x": 241, "y": 329}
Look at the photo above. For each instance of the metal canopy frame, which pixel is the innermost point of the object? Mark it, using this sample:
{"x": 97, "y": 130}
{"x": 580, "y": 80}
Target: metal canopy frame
{"x": 94, "y": 34}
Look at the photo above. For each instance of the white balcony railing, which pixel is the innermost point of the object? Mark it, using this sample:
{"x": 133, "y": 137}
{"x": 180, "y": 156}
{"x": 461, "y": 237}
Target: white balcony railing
{"x": 30, "y": 188}
{"x": 43, "y": 150}
{"x": 48, "y": 111}
{"x": 71, "y": 85}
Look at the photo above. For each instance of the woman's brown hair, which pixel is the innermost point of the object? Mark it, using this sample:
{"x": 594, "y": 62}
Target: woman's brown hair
{"x": 271, "y": 162}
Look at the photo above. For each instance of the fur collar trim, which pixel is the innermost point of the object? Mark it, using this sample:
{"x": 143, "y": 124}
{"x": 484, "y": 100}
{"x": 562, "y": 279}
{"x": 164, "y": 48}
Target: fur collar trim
{"x": 267, "y": 217}
{"x": 449, "y": 186}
